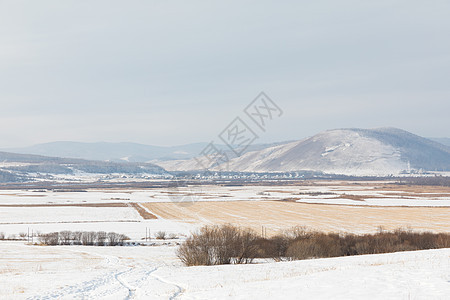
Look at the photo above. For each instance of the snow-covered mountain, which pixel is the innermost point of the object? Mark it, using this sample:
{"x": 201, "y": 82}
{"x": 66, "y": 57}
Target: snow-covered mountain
{"x": 444, "y": 141}
{"x": 382, "y": 151}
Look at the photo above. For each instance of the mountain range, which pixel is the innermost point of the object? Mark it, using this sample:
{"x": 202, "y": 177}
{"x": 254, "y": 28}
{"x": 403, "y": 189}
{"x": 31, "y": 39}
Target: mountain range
{"x": 131, "y": 152}
{"x": 358, "y": 152}
{"x": 444, "y": 141}
{"x": 379, "y": 152}
{"x": 121, "y": 152}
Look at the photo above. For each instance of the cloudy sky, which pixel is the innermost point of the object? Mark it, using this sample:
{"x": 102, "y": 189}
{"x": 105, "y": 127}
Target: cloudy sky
{"x": 175, "y": 72}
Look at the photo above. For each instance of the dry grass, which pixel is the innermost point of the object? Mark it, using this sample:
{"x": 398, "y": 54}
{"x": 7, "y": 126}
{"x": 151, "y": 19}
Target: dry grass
{"x": 213, "y": 245}
{"x": 414, "y": 188}
{"x": 144, "y": 213}
{"x": 278, "y": 215}
{"x": 218, "y": 245}
{"x": 118, "y": 204}
{"x": 352, "y": 197}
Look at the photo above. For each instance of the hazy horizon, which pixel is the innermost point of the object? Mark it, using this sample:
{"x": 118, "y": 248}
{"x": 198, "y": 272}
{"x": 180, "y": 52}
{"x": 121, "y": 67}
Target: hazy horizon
{"x": 167, "y": 74}
{"x": 202, "y": 142}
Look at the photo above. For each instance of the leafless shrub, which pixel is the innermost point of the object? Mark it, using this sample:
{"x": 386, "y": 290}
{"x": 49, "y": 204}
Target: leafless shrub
{"x": 226, "y": 244}
{"x": 50, "y": 239}
{"x": 298, "y": 232}
{"x": 214, "y": 245}
{"x": 102, "y": 238}
{"x": 330, "y": 245}
{"x": 318, "y": 245}
{"x": 442, "y": 241}
{"x": 89, "y": 238}
{"x": 245, "y": 248}
{"x": 173, "y": 236}
{"x": 65, "y": 237}
{"x": 77, "y": 236}
{"x": 161, "y": 235}
{"x": 2, "y": 235}
{"x": 113, "y": 238}
{"x": 276, "y": 246}
{"x": 122, "y": 238}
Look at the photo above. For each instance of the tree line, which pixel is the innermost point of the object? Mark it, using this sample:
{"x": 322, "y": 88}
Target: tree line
{"x": 85, "y": 238}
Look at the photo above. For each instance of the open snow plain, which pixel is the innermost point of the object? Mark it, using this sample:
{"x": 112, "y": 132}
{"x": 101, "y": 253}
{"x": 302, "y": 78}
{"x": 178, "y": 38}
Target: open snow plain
{"x": 154, "y": 272}
{"x": 77, "y": 272}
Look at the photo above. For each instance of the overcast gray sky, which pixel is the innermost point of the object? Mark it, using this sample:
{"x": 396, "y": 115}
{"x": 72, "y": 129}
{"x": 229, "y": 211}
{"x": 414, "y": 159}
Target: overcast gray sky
{"x": 174, "y": 72}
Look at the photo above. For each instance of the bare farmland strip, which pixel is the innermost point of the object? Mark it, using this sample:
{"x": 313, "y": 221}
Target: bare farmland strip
{"x": 276, "y": 215}
{"x": 144, "y": 213}
{"x": 118, "y": 204}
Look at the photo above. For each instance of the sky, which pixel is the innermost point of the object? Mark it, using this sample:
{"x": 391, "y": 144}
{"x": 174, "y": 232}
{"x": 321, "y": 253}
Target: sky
{"x": 177, "y": 72}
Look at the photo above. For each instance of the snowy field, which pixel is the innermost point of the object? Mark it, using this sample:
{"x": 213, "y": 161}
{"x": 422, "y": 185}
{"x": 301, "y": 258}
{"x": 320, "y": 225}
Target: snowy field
{"x": 180, "y": 210}
{"x": 66, "y": 214}
{"x": 77, "y": 272}
{"x": 154, "y": 272}
{"x": 334, "y": 192}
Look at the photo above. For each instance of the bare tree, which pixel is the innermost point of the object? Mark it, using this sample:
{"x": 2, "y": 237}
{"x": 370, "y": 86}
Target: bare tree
{"x": 113, "y": 238}
{"x": 161, "y": 235}
{"x": 89, "y": 238}
{"x": 101, "y": 238}
{"x": 65, "y": 237}
{"x": 122, "y": 238}
{"x": 77, "y": 236}
{"x": 50, "y": 239}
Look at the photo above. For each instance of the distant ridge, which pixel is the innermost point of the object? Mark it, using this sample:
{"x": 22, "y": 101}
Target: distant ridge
{"x": 120, "y": 152}
{"x": 348, "y": 151}
{"x": 351, "y": 151}
{"x": 26, "y": 167}
{"x": 444, "y": 141}
{"x": 131, "y": 152}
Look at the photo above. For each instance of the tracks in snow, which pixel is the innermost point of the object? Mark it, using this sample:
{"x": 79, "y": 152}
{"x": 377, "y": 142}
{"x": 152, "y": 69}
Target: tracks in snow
{"x": 131, "y": 290}
{"x": 120, "y": 282}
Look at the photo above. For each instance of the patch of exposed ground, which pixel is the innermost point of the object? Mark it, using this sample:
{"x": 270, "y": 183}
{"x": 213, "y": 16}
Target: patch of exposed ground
{"x": 67, "y": 204}
{"x": 277, "y": 215}
{"x": 142, "y": 211}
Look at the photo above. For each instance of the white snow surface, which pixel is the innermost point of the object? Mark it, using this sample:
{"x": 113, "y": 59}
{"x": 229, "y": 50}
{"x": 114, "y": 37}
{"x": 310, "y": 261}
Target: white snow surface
{"x": 58, "y": 214}
{"x": 154, "y": 272}
{"x": 77, "y": 272}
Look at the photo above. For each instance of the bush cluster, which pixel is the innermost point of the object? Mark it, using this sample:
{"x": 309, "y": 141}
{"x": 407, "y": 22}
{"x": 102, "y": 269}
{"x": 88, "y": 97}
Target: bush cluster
{"x": 226, "y": 244}
{"x": 215, "y": 245}
{"x": 162, "y": 235}
{"x": 319, "y": 244}
{"x": 86, "y": 238}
